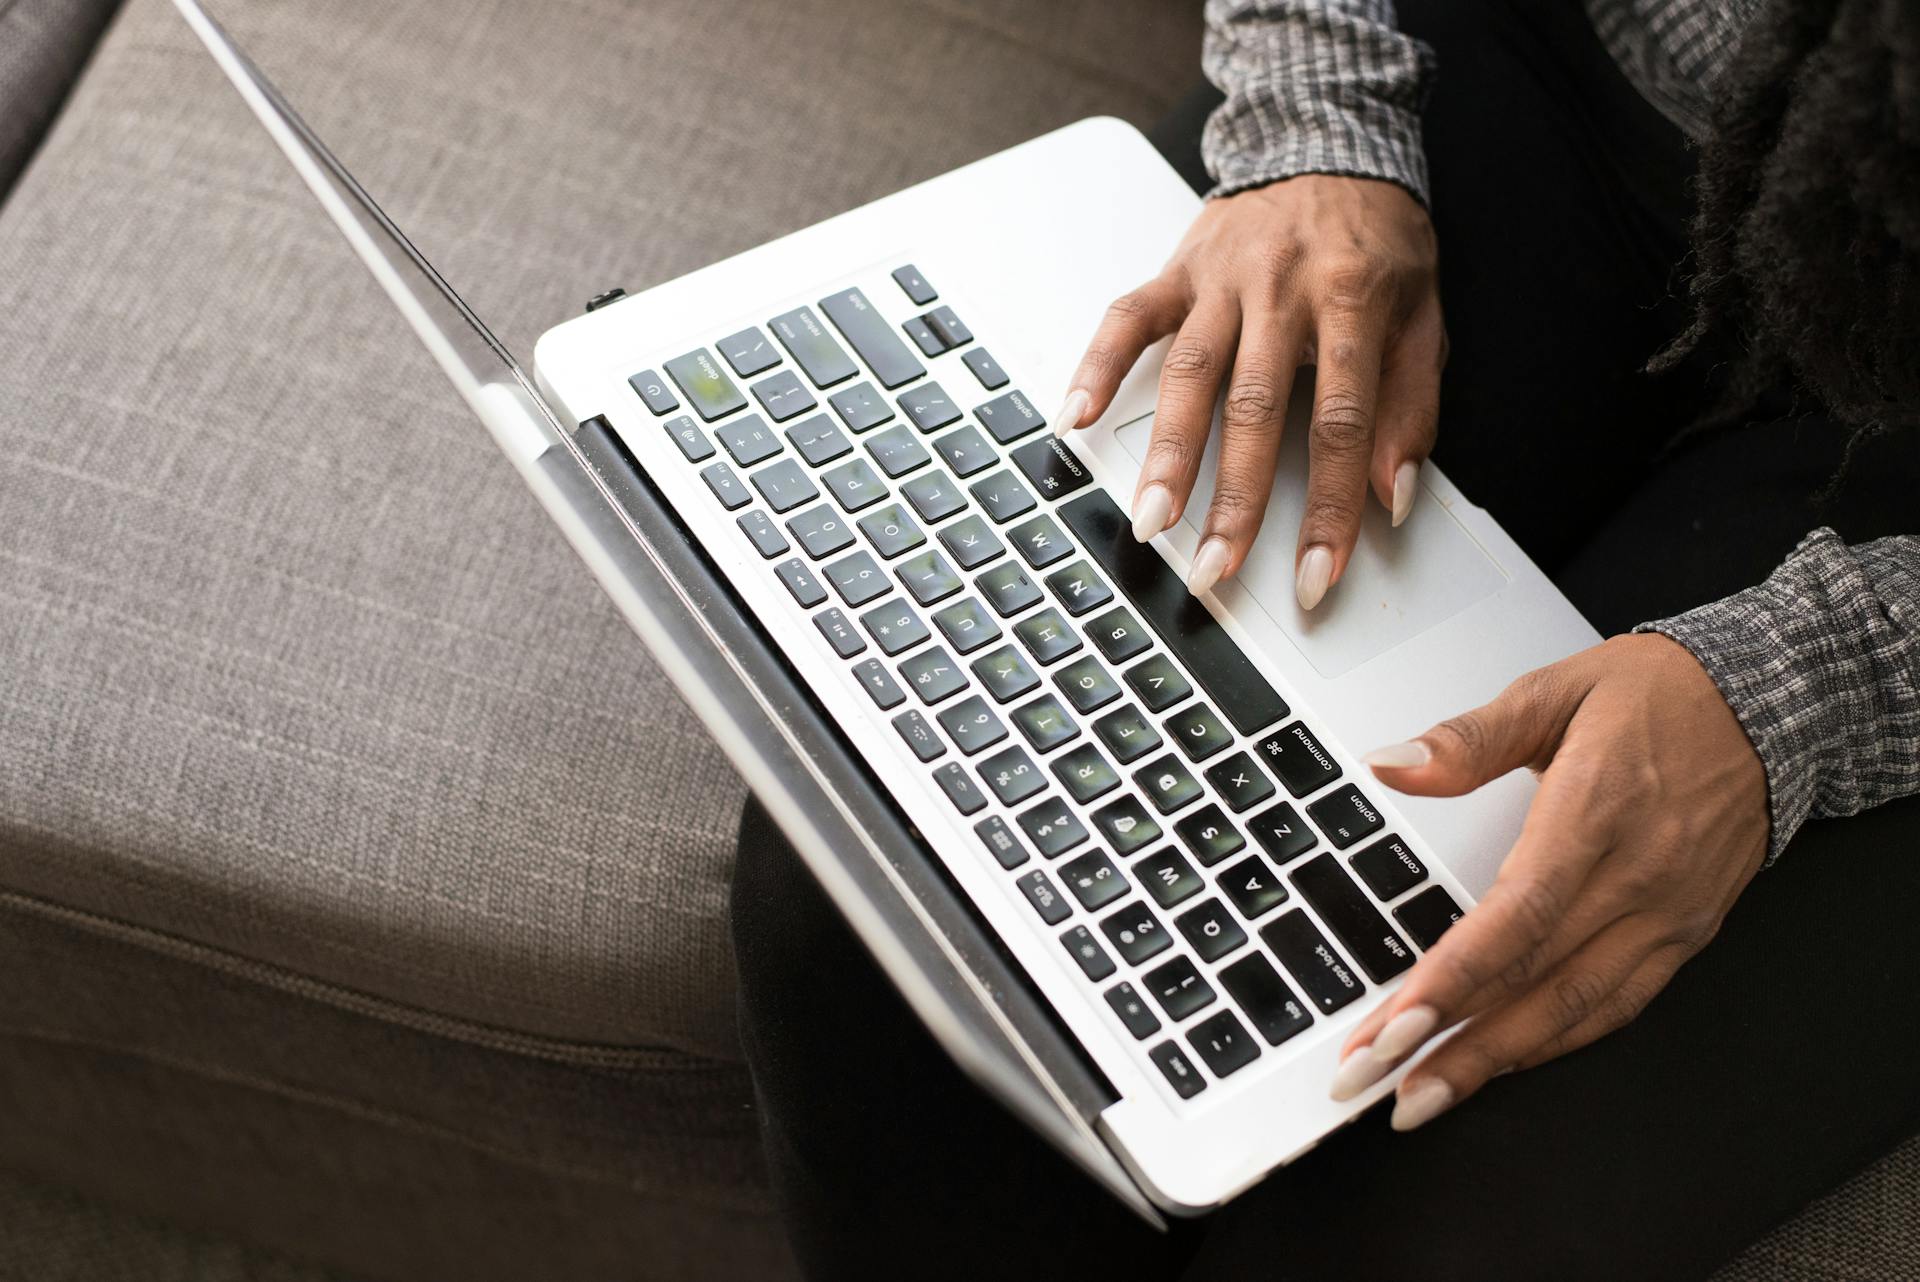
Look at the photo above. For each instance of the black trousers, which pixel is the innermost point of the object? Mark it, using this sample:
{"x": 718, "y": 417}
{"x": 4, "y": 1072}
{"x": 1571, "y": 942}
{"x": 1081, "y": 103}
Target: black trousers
{"x": 1777, "y": 1062}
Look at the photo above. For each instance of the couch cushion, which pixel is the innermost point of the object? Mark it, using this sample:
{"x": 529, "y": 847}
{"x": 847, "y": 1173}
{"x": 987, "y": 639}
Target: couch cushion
{"x": 43, "y": 44}
{"x": 289, "y": 663}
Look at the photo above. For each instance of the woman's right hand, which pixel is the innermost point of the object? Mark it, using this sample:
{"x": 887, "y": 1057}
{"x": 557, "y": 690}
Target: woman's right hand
{"x": 1338, "y": 273}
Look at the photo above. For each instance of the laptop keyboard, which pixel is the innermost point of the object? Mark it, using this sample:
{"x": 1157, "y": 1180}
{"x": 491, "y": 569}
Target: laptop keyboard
{"x": 1182, "y": 833}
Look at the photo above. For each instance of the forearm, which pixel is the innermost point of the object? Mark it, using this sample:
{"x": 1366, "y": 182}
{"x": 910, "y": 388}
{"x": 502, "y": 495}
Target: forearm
{"x": 1822, "y": 665}
{"x": 1314, "y": 86}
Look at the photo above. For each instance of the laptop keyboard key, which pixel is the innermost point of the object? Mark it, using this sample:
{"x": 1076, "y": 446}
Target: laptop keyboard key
{"x": 1045, "y": 723}
{"x": 1240, "y": 783}
{"x": 1132, "y": 1010}
{"x": 933, "y": 675}
{"x": 784, "y": 486}
{"x": 812, "y": 348}
{"x": 1281, "y": 833}
{"x": 1128, "y": 735}
{"x": 1209, "y": 835}
{"x": 1321, "y": 972}
{"x": 919, "y": 735}
{"x": 1211, "y": 930}
{"x": 1167, "y": 784}
{"x": 893, "y": 627}
{"x": 1158, "y": 683}
{"x": 1224, "y": 1043}
{"x": 1052, "y": 828}
{"x": 821, "y": 531}
{"x": 1002, "y": 497}
{"x": 1012, "y": 776}
{"x": 800, "y": 582}
{"x": 860, "y": 407}
{"x": 1052, "y": 467}
{"x": 1087, "y": 684}
{"x": 934, "y": 495}
{"x": 897, "y": 452}
{"x": 986, "y": 369}
{"x": 1389, "y": 868}
{"x": 914, "y": 285}
{"x": 1047, "y": 901}
{"x": 1093, "y": 879}
{"x": 1136, "y": 934}
{"x": 708, "y": 390}
{"x": 1297, "y": 757}
{"x": 928, "y": 577}
{"x": 1040, "y": 541}
{"x": 952, "y": 330}
{"x": 1009, "y": 417}
{"x": 1048, "y": 637}
{"x": 1168, "y": 878}
{"x": 1005, "y": 674}
{"x": 972, "y": 542}
{"x": 959, "y": 787}
{"x": 966, "y": 625}
{"x": 971, "y": 725}
{"x": 1179, "y": 989}
{"x": 839, "y": 633}
{"x": 1079, "y": 588}
{"x": 1126, "y": 826}
{"x": 748, "y": 352}
{"x": 879, "y": 683}
{"x": 891, "y": 531}
{"x": 1119, "y": 635}
{"x": 1198, "y": 731}
{"x": 653, "y": 392}
{"x": 1008, "y": 589}
{"x": 1253, "y": 887}
{"x": 818, "y": 440}
{"x": 1346, "y": 816}
{"x": 1178, "y": 1069}
{"x": 765, "y": 535}
{"x": 1000, "y": 842}
{"x": 929, "y": 343}
{"x": 1354, "y": 921}
{"x": 1256, "y": 986}
{"x": 1085, "y": 774}
{"x": 1086, "y": 950}
{"x": 1428, "y": 915}
{"x": 693, "y": 443}
{"x": 857, "y": 579}
{"x": 966, "y": 451}
{"x": 872, "y": 339}
{"x": 854, "y": 484}
{"x": 725, "y": 485}
{"x": 929, "y": 406}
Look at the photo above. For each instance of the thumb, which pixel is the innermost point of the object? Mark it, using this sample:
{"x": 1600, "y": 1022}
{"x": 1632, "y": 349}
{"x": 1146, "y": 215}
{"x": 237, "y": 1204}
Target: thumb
{"x": 1521, "y": 727}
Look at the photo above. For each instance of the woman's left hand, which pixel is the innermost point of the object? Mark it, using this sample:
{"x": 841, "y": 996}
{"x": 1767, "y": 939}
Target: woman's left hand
{"x": 1650, "y": 820}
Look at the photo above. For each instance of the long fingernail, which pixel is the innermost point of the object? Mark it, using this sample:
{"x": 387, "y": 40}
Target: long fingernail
{"x": 1405, "y": 1031}
{"x": 1406, "y": 487}
{"x": 1151, "y": 511}
{"x": 1357, "y": 1072}
{"x": 1311, "y": 579}
{"x": 1399, "y": 756}
{"x": 1419, "y": 1104}
{"x": 1071, "y": 410}
{"x": 1208, "y": 564}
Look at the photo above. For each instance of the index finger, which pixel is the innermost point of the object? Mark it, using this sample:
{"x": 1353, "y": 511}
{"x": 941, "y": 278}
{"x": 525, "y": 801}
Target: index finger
{"x": 1132, "y": 322}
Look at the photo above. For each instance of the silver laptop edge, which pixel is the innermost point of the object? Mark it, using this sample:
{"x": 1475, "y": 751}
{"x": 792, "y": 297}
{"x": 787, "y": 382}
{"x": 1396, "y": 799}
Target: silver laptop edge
{"x": 942, "y": 963}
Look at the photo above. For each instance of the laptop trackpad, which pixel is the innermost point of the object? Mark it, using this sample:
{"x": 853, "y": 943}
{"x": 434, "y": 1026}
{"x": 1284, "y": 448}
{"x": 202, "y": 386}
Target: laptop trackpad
{"x": 1398, "y": 583}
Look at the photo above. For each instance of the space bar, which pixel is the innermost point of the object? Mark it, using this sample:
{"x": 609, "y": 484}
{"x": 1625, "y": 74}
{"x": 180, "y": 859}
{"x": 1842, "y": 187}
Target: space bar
{"x": 1212, "y": 656}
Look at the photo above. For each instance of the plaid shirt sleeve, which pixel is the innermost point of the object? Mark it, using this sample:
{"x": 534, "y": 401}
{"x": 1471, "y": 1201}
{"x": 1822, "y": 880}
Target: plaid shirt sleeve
{"x": 1822, "y": 665}
{"x": 1313, "y": 86}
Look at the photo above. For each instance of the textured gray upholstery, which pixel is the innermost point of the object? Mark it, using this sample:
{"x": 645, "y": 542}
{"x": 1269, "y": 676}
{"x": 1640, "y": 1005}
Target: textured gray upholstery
{"x": 43, "y": 44}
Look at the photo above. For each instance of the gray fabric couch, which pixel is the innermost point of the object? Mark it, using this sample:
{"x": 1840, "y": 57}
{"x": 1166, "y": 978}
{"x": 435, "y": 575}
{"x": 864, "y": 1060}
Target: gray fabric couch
{"x": 361, "y": 881}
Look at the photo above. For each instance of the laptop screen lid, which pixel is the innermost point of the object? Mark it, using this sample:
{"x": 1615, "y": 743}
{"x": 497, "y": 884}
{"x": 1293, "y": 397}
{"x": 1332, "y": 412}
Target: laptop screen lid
{"x": 841, "y": 825}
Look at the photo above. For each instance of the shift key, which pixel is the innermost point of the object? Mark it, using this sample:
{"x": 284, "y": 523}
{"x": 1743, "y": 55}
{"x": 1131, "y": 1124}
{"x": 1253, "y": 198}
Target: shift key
{"x": 872, "y": 338}
{"x": 1357, "y": 924}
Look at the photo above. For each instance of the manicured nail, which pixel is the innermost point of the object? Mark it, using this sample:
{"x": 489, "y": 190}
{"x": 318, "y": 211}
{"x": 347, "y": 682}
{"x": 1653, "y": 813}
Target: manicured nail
{"x": 1310, "y": 580}
{"x": 1357, "y": 1072}
{"x": 1151, "y": 511}
{"x": 1406, "y": 488}
{"x": 1419, "y": 1104}
{"x": 1208, "y": 564}
{"x": 1071, "y": 410}
{"x": 1405, "y": 1031}
{"x": 1399, "y": 756}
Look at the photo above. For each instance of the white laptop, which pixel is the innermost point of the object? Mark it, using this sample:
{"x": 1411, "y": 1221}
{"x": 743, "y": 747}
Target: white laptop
{"x": 1112, "y": 843}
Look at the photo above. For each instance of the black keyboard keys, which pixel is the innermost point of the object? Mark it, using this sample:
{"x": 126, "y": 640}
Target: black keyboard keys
{"x": 1002, "y": 497}
{"x": 928, "y": 577}
{"x": 894, "y": 627}
{"x": 1087, "y": 684}
{"x": 854, "y": 484}
{"x": 1198, "y": 731}
{"x": 1132, "y": 1010}
{"x": 919, "y": 735}
{"x": 1136, "y": 934}
{"x": 1093, "y": 879}
{"x": 1224, "y": 1043}
{"x": 1211, "y": 929}
{"x": 1178, "y": 1069}
{"x": 821, "y": 531}
{"x": 1008, "y": 589}
{"x": 917, "y": 328}
{"x": 972, "y": 542}
{"x": 1428, "y": 915}
{"x": 1158, "y": 683}
{"x": 1345, "y": 816}
{"x": 1297, "y": 757}
{"x": 1128, "y": 735}
{"x": 818, "y": 440}
{"x": 1012, "y": 776}
{"x": 897, "y": 452}
{"x": 860, "y": 407}
{"x": 971, "y": 725}
{"x": 1086, "y": 950}
{"x": 872, "y": 338}
{"x": 1052, "y": 828}
{"x": 1079, "y": 588}
{"x": 1168, "y": 878}
{"x": 1119, "y": 635}
{"x": 857, "y": 579}
{"x": 1240, "y": 783}
{"x": 959, "y": 787}
{"x": 1179, "y": 989}
{"x": 1126, "y": 826}
{"x": 1354, "y": 921}
{"x": 879, "y": 683}
{"x": 934, "y": 675}
{"x": 1052, "y": 467}
{"x": 1253, "y": 887}
{"x": 1281, "y": 833}
{"x": 1045, "y": 723}
{"x": 784, "y": 486}
{"x": 1167, "y": 784}
{"x": 966, "y": 625}
{"x": 1048, "y": 637}
{"x": 651, "y": 390}
{"x": 800, "y": 582}
{"x": 808, "y": 342}
{"x": 1048, "y": 902}
{"x": 1389, "y": 868}
{"x": 1256, "y": 986}
{"x": 966, "y": 451}
{"x": 1009, "y": 417}
{"x": 986, "y": 369}
{"x": 1150, "y": 585}
{"x": 1321, "y": 972}
{"x": 725, "y": 485}
{"x": 1085, "y": 774}
{"x": 929, "y": 406}
{"x": 766, "y": 536}
{"x": 1209, "y": 835}
{"x": 706, "y": 386}
{"x": 693, "y": 443}
{"x": 914, "y": 285}
{"x": 839, "y": 633}
{"x": 934, "y": 495}
{"x": 953, "y": 331}
{"x": 748, "y": 352}
{"x": 891, "y": 531}
{"x": 1000, "y": 841}
{"x": 1005, "y": 674}
{"x": 1040, "y": 541}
